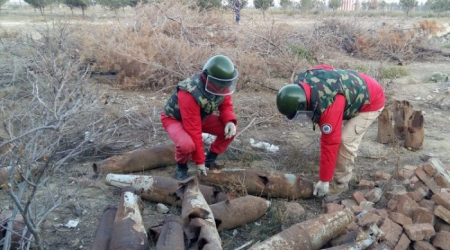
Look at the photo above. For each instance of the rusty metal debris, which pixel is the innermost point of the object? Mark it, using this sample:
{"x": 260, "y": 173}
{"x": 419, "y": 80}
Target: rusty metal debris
{"x": 416, "y": 133}
{"x": 161, "y": 189}
{"x": 233, "y": 213}
{"x": 104, "y": 231}
{"x": 308, "y": 235}
{"x": 198, "y": 219}
{"x": 255, "y": 182}
{"x": 137, "y": 160}
{"x": 385, "y": 129}
{"x": 171, "y": 236}
{"x": 363, "y": 239}
{"x": 129, "y": 231}
{"x": 402, "y": 111}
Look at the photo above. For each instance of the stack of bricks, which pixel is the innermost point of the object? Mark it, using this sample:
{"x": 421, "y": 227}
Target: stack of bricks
{"x": 415, "y": 214}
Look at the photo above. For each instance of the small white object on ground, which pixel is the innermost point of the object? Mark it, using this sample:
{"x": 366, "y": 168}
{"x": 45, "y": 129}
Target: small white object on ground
{"x": 264, "y": 145}
{"x": 162, "y": 208}
{"x": 208, "y": 138}
{"x": 72, "y": 223}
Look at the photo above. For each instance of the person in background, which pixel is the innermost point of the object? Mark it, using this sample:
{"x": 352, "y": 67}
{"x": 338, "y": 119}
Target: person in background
{"x": 189, "y": 112}
{"x": 237, "y": 10}
{"x": 328, "y": 96}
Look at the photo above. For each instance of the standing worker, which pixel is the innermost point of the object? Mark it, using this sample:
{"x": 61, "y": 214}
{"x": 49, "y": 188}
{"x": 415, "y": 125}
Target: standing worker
{"x": 327, "y": 96}
{"x": 237, "y": 10}
{"x": 189, "y": 112}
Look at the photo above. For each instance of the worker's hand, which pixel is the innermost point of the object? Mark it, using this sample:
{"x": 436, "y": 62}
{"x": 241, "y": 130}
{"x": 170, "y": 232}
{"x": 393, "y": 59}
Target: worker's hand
{"x": 202, "y": 169}
{"x": 321, "y": 188}
{"x": 230, "y": 130}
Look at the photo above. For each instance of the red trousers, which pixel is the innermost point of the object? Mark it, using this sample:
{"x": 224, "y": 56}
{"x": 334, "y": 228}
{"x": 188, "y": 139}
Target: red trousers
{"x": 184, "y": 144}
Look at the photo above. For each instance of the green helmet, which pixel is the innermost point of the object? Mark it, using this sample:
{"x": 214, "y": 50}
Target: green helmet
{"x": 291, "y": 99}
{"x": 221, "y": 75}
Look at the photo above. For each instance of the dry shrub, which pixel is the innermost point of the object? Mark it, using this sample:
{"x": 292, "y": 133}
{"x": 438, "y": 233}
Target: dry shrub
{"x": 389, "y": 42}
{"x": 167, "y": 42}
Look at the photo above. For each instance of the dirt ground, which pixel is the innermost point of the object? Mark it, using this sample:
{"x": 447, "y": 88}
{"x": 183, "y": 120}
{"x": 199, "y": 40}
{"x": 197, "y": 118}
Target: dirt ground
{"x": 257, "y": 119}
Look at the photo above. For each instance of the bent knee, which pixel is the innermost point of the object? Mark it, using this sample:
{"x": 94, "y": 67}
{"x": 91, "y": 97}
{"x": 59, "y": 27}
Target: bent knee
{"x": 186, "y": 147}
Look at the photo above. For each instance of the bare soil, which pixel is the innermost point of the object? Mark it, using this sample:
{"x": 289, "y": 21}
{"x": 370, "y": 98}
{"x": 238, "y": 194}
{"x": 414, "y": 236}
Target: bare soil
{"x": 258, "y": 119}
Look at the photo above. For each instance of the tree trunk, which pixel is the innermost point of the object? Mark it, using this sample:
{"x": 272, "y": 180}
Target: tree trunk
{"x": 71, "y": 9}
{"x": 82, "y": 10}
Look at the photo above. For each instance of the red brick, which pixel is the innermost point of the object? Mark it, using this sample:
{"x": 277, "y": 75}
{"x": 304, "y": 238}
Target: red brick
{"x": 442, "y": 213}
{"x": 429, "y": 169}
{"x": 400, "y": 218}
{"x": 442, "y": 182}
{"x": 349, "y": 203}
{"x": 333, "y": 207}
{"x": 359, "y": 209}
{"x": 369, "y": 219}
{"x": 417, "y": 232}
{"x": 442, "y": 199}
{"x": 417, "y": 195}
{"x": 442, "y": 240}
{"x": 396, "y": 191}
{"x": 428, "y": 204}
{"x": 414, "y": 180}
{"x": 366, "y": 184}
{"x": 423, "y": 245}
{"x": 359, "y": 197}
{"x": 383, "y": 213}
{"x": 428, "y": 180}
{"x": 422, "y": 215}
{"x": 352, "y": 226}
{"x": 392, "y": 204}
{"x": 381, "y": 176}
{"x": 406, "y": 172}
{"x": 374, "y": 195}
{"x": 403, "y": 243}
{"x": 406, "y": 206}
{"x": 392, "y": 231}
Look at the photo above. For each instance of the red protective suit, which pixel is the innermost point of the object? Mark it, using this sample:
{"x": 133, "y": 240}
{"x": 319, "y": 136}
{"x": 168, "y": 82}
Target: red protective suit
{"x": 187, "y": 134}
{"x": 333, "y": 116}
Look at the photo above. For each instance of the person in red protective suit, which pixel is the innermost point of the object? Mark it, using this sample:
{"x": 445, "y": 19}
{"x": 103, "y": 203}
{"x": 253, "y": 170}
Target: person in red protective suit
{"x": 189, "y": 112}
{"x": 328, "y": 96}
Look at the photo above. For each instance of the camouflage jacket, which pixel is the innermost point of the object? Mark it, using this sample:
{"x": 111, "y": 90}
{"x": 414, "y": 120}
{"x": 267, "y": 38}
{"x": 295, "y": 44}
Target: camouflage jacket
{"x": 196, "y": 87}
{"x": 326, "y": 84}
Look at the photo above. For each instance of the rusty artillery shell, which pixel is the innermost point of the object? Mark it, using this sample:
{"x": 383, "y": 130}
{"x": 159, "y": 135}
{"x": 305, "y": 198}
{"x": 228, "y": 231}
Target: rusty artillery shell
{"x": 363, "y": 239}
{"x": 161, "y": 189}
{"x": 385, "y": 129}
{"x": 254, "y": 182}
{"x": 198, "y": 219}
{"x": 416, "y": 133}
{"x": 128, "y": 230}
{"x": 233, "y": 213}
{"x": 104, "y": 231}
{"x": 171, "y": 236}
{"x": 137, "y": 160}
{"x": 308, "y": 235}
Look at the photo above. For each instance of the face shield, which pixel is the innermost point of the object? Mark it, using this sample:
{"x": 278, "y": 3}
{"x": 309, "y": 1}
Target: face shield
{"x": 217, "y": 86}
{"x": 301, "y": 116}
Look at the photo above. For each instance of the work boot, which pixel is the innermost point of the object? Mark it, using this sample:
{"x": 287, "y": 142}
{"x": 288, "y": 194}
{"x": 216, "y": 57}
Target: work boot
{"x": 337, "y": 189}
{"x": 181, "y": 172}
{"x": 210, "y": 161}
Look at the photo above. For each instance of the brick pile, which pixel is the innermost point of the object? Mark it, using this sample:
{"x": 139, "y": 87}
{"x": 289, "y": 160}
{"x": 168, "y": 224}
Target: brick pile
{"x": 414, "y": 214}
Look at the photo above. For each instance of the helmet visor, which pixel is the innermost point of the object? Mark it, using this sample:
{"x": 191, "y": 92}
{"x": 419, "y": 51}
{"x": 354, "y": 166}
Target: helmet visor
{"x": 301, "y": 116}
{"x": 219, "y": 86}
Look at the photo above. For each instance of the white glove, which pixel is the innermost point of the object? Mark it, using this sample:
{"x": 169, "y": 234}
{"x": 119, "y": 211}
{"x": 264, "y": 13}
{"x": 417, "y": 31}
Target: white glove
{"x": 202, "y": 169}
{"x": 230, "y": 130}
{"x": 321, "y": 188}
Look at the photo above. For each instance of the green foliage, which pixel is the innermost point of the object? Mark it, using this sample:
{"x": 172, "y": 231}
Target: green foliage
{"x": 393, "y": 72}
{"x": 133, "y": 3}
{"x": 2, "y": 2}
{"x": 438, "y": 6}
{"x": 82, "y": 4}
{"x": 263, "y": 4}
{"x": 447, "y": 46}
{"x": 308, "y": 4}
{"x": 286, "y": 4}
{"x": 113, "y": 4}
{"x": 300, "y": 52}
{"x": 335, "y": 4}
{"x": 408, "y": 5}
{"x": 209, "y": 4}
{"x": 38, "y": 4}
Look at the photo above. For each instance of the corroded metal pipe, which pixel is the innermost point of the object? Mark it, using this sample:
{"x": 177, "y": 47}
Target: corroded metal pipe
{"x": 104, "y": 231}
{"x": 198, "y": 219}
{"x": 161, "y": 189}
{"x": 308, "y": 235}
{"x": 233, "y": 213}
{"x": 129, "y": 231}
{"x": 137, "y": 160}
{"x": 255, "y": 182}
{"x": 171, "y": 236}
